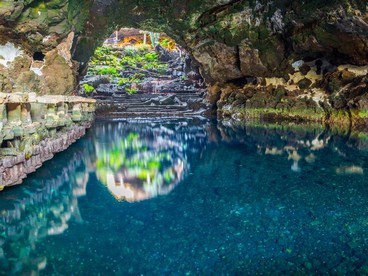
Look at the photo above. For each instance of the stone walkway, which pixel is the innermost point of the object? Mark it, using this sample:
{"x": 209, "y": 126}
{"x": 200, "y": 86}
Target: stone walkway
{"x": 33, "y": 128}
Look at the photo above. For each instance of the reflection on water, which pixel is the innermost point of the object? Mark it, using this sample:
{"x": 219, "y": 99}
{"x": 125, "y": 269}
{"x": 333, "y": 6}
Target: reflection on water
{"x": 138, "y": 162}
{"x": 43, "y": 206}
{"x": 301, "y": 145}
{"x": 247, "y": 200}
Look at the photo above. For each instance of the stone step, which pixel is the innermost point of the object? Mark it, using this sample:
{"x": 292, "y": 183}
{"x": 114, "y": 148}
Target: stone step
{"x": 148, "y": 108}
{"x": 148, "y": 104}
{"x": 145, "y": 107}
{"x": 123, "y": 99}
{"x": 151, "y": 114}
{"x": 151, "y": 95}
{"x": 147, "y": 101}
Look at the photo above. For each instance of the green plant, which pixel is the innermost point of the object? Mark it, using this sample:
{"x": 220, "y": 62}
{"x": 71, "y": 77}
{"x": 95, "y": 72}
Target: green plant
{"x": 123, "y": 81}
{"x": 150, "y": 66}
{"x": 155, "y": 66}
{"x": 88, "y": 88}
{"x": 152, "y": 56}
{"x": 132, "y": 79}
{"x": 142, "y": 48}
{"x": 139, "y": 75}
{"x": 131, "y": 91}
{"x": 130, "y": 51}
{"x": 131, "y": 60}
{"x": 165, "y": 43}
{"x": 107, "y": 71}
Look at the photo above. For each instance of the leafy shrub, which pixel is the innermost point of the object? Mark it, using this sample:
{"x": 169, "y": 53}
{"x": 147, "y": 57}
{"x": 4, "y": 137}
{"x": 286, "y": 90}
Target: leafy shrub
{"x": 164, "y": 43}
{"x": 132, "y": 79}
{"x": 152, "y": 56}
{"x": 130, "y": 51}
{"x": 88, "y": 88}
{"x": 150, "y": 66}
{"x": 123, "y": 81}
{"x": 155, "y": 66}
{"x": 107, "y": 71}
{"x": 131, "y": 91}
{"x": 129, "y": 61}
{"x": 168, "y": 44}
{"x": 143, "y": 48}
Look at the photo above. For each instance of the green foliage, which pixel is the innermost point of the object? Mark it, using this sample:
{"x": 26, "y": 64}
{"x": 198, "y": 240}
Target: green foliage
{"x": 102, "y": 51}
{"x": 165, "y": 43}
{"x": 123, "y": 81}
{"x": 132, "y": 136}
{"x": 104, "y": 56}
{"x": 152, "y": 56}
{"x": 169, "y": 176}
{"x": 78, "y": 13}
{"x": 88, "y": 88}
{"x": 109, "y": 61}
{"x": 131, "y": 91}
{"x": 131, "y": 61}
{"x": 107, "y": 71}
{"x": 132, "y": 79}
{"x": 363, "y": 114}
{"x": 155, "y": 66}
{"x": 130, "y": 52}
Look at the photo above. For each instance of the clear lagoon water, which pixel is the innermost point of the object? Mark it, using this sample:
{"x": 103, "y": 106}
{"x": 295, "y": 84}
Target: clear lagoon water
{"x": 192, "y": 197}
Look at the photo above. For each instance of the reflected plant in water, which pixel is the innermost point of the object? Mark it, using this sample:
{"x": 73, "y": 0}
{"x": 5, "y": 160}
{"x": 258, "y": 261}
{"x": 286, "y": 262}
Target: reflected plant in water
{"x": 135, "y": 168}
{"x": 242, "y": 206}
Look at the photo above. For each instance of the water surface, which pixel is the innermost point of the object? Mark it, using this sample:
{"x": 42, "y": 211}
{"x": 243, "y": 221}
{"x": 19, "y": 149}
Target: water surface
{"x": 192, "y": 197}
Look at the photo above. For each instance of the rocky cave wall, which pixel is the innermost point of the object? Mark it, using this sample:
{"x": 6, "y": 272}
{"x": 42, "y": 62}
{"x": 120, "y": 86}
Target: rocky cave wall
{"x": 281, "y": 59}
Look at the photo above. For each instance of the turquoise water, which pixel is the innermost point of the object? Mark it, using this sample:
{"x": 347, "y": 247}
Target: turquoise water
{"x": 192, "y": 197}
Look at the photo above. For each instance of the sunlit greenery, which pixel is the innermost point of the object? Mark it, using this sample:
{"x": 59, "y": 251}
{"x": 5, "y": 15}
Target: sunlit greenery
{"x": 155, "y": 66}
{"x": 88, "y": 88}
{"x": 112, "y": 71}
{"x": 151, "y": 56}
{"x": 125, "y": 59}
{"x": 132, "y": 79}
{"x": 168, "y": 44}
{"x": 127, "y": 66}
{"x": 131, "y": 91}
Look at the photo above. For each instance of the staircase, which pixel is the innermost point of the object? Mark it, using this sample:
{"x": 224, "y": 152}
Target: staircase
{"x": 163, "y": 104}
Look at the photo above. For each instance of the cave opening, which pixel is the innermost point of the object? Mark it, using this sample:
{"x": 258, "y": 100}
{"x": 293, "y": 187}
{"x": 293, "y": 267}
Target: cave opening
{"x": 138, "y": 72}
{"x": 38, "y": 56}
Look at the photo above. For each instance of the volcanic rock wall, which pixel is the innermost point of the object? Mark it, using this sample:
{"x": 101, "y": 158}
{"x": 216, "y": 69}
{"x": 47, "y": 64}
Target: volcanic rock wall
{"x": 276, "y": 59}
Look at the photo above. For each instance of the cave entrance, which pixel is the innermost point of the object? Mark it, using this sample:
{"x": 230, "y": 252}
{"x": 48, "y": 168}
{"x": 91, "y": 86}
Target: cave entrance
{"x": 136, "y": 72}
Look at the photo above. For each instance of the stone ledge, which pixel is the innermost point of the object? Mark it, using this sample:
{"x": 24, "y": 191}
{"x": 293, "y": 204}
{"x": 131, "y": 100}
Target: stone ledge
{"x": 34, "y": 128}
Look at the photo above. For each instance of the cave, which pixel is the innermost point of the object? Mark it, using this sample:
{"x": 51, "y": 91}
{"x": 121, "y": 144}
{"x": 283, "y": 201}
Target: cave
{"x": 162, "y": 137}
{"x": 38, "y": 56}
{"x": 141, "y": 73}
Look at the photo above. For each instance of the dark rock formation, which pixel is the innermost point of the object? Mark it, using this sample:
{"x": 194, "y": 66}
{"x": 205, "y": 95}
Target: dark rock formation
{"x": 315, "y": 51}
